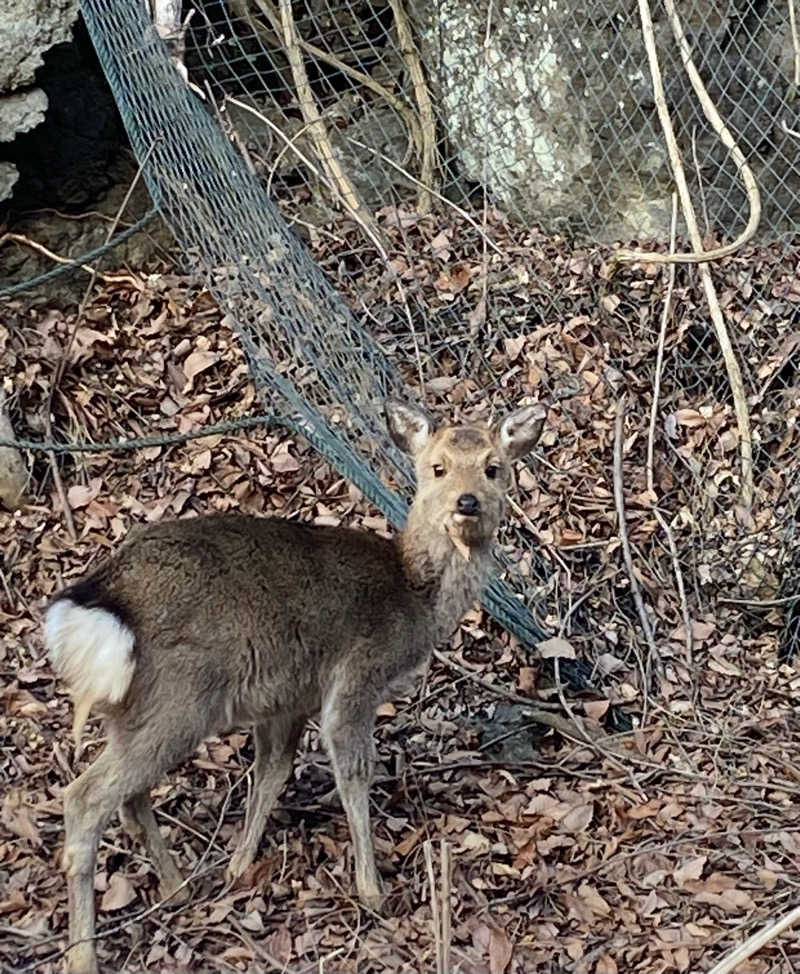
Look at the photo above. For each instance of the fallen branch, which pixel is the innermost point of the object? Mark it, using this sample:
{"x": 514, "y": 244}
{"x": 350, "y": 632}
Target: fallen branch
{"x": 699, "y": 256}
{"x": 573, "y": 730}
{"x": 756, "y": 942}
{"x": 728, "y": 354}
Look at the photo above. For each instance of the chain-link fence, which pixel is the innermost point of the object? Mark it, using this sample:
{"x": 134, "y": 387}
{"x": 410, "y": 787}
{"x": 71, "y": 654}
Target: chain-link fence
{"x": 415, "y": 146}
{"x": 548, "y": 107}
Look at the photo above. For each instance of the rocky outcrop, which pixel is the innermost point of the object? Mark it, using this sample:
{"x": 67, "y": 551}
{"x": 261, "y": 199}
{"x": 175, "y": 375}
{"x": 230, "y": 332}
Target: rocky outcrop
{"x": 29, "y": 29}
{"x": 552, "y": 109}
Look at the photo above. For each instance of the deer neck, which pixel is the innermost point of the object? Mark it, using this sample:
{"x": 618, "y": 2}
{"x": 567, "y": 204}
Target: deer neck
{"x": 434, "y": 567}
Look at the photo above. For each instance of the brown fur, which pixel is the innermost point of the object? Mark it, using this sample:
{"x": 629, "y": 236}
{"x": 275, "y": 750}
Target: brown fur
{"x": 265, "y": 622}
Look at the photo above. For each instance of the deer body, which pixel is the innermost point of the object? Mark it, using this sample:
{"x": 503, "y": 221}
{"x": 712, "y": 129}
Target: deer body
{"x": 196, "y": 626}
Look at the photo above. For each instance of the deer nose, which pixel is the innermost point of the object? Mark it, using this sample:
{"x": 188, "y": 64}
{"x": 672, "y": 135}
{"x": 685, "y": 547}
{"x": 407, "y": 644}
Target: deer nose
{"x": 468, "y": 504}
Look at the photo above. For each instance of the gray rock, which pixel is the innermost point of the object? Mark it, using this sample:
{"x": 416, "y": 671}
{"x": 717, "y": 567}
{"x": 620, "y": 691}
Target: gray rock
{"x": 8, "y": 178}
{"x": 554, "y": 114}
{"x": 31, "y": 27}
{"x": 21, "y": 112}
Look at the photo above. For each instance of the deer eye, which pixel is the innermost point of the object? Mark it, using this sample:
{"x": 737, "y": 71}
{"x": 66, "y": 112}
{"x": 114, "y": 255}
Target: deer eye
{"x": 438, "y": 470}
{"x": 492, "y": 471}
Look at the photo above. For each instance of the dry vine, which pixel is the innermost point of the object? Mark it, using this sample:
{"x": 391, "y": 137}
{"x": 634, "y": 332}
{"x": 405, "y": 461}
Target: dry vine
{"x": 731, "y": 362}
{"x": 699, "y": 256}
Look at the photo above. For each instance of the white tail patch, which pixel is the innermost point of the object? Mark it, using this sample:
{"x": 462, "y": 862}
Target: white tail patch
{"x": 92, "y": 651}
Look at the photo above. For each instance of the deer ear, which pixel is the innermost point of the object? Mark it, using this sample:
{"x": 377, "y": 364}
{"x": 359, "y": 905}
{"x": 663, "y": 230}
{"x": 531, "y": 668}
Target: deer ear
{"x": 518, "y": 433}
{"x": 410, "y": 427}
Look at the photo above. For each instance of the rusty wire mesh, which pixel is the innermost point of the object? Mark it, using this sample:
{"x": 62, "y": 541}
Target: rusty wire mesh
{"x": 535, "y": 129}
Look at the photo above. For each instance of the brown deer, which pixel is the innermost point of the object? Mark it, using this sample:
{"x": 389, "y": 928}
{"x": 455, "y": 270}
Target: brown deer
{"x": 199, "y": 625}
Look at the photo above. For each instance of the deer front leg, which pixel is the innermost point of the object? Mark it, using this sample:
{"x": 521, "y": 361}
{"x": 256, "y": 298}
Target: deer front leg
{"x": 347, "y": 728}
{"x": 276, "y": 743}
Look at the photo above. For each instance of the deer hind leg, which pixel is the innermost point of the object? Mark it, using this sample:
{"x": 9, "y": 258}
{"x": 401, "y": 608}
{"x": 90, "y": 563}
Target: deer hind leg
{"x": 276, "y": 742}
{"x": 126, "y": 768}
{"x": 140, "y": 823}
{"x": 347, "y": 728}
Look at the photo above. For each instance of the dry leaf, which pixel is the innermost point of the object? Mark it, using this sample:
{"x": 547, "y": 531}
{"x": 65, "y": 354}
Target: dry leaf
{"x": 691, "y": 869}
{"x": 198, "y": 362}
{"x": 119, "y": 894}
{"x": 730, "y": 900}
{"x": 18, "y": 818}
{"x": 500, "y": 951}
{"x": 556, "y": 647}
{"x": 593, "y": 900}
{"x": 79, "y": 495}
{"x": 527, "y": 679}
{"x": 578, "y": 820}
{"x": 596, "y": 708}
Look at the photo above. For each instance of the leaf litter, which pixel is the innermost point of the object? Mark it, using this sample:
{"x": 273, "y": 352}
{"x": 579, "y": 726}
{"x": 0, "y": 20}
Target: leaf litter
{"x": 564, "y": 858}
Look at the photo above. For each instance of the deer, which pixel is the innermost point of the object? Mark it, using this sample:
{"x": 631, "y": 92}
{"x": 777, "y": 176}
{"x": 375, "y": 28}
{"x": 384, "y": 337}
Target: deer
{"x": 199, "y": 625}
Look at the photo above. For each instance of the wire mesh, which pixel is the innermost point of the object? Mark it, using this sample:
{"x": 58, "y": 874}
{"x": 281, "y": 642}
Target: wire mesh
{"x": 308, "y": 353}
{"x": 422, "y": 150}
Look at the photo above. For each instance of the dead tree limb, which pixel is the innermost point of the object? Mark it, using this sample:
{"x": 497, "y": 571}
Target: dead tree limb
{"x": 343, "y": 186}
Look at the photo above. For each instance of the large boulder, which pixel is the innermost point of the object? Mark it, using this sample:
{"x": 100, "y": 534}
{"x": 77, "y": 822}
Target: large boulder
{"x": 552, "y": 109}
{"x": 29, "y": 29}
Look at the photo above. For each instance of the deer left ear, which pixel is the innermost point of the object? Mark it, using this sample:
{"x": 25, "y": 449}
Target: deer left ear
{"x": 519, "y": 432}
{"x": 409, "y": 426}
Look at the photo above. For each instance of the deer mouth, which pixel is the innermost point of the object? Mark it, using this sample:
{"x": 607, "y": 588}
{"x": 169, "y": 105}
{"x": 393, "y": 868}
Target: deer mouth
{"x": 468, "y": 528}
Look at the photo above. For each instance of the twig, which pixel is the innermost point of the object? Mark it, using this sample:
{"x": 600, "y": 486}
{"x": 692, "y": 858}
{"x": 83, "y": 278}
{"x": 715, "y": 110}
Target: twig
{"x": 40, "y": 248}
{"x": 573, "y": 731}
{"x": 446, "y": 867}
{"x": 579, "y": 723}
{"x": 699, "y": 256}
{"x": 496, "y": 691}
{"x": 427, "y": 119}
{"x": 62, "y": 362}
{"x": 728, "y": 354}
{"x": 435, "y": 922}
{"x": 439, "y": 196}
{"x": 756, "y": 942}
{"x": 676, "y": 568}
{"x": 660, "y": 349}
{"x": 676, "y": 564}
{"x": 619, "y": 501}
{"x": 345, "y": 189}
{"x": 761, "y": 603}
{"x": 369, "y": 227}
